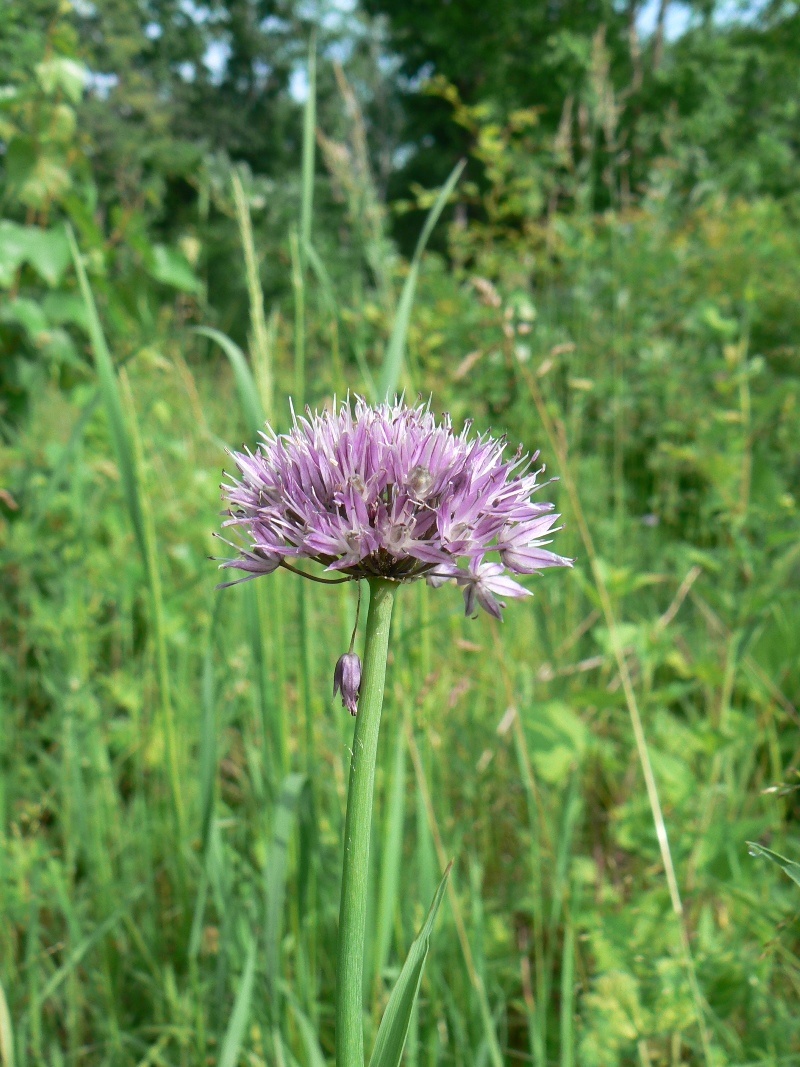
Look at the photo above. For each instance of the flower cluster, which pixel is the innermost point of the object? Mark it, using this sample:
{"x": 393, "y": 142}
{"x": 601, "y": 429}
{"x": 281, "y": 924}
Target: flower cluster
{"x": 388, "y": 492}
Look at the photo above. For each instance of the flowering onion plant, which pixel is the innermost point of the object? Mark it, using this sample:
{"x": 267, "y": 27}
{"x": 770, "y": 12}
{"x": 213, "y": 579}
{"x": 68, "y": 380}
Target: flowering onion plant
{"x": 388, "y": 495}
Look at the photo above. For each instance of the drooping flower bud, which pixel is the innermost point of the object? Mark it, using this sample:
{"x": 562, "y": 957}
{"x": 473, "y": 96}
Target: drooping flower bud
{"x": 347, "y": 680}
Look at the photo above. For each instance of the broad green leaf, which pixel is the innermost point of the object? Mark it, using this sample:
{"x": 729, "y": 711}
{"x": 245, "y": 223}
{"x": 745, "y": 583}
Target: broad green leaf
{"x": 789, "y": 866}
{"x": 64, "y": 74}
{"x": 171, "y": 267}
{"x": 57, "y": 346}
{"x": 232, "y": 1042}
{"x": 394, "y": 1025}
{"x": 47, "y": 251}
{"x": 37, "y": 173}
{"x": 61, "y": 308}
{"x": 395, "y": 350}
{"x": 25, "y": 313}
{"x": 12, "y": 250}
{"x": 557, "y": 739}
{"x": 245, "y": 383}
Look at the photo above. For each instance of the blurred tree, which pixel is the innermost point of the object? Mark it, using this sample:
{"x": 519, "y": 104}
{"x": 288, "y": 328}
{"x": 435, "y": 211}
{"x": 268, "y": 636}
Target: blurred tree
{"x": 722, "y": 98}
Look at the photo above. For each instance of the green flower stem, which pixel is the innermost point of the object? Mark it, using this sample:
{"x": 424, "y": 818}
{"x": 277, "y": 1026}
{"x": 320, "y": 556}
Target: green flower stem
{"x": 358, "y": 821}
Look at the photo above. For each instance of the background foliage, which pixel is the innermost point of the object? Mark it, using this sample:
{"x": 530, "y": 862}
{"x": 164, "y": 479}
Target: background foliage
{"x": 615, "y": 281}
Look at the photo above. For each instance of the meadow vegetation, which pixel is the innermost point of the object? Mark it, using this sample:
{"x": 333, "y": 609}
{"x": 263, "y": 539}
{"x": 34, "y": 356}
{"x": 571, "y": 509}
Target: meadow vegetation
{"x": 172, "y": 766}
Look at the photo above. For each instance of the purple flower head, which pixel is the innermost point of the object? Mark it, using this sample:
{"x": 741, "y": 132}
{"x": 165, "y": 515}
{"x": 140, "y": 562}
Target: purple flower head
{"x": 388, "y": 492}
{"x": 347, "y": 680}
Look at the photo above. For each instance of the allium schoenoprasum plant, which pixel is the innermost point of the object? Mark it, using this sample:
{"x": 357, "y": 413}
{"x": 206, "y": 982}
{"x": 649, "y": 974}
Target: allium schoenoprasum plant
{"x": 387, "y": 495}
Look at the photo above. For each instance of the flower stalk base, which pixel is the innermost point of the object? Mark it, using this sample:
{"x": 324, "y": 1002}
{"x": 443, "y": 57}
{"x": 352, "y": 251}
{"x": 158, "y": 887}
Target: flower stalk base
{"x": 358, "y": 823}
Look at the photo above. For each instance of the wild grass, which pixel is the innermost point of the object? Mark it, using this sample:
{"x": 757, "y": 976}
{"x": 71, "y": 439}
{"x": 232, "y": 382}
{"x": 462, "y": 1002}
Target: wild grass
{"x": 173, "y": 773}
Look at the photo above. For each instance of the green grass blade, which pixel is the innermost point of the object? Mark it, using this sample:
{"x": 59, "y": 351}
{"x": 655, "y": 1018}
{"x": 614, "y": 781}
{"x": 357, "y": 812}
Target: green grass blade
{"x": 232, "y": 1042}
{"x": 261, "y": 347}
{"x": 299, "y": 287}
{"x": 245, "y": 383}
{"x": 568, "y": 998}
{"x": 323, "y": 277}
{"x": 276, "y": 873}
{"x": 308, "y": 1036}
{"x": 159, "y": 624}
{"x": 395, "y": 350}
{"x": 570, "y": 820}
{"x": 85, "y": 946}
{"x": 196, "y": 931}
{"x": 392, "y": 1032}
{"x": 6, "y": 1033}
{"x": 309, "y": 131}
{"x": 208, "y": 733}
{"x": 787, "y": 866}
{"x": 392, "y": 853}
{"x": 128, "y": 452}
{"x": 109, "y": 389}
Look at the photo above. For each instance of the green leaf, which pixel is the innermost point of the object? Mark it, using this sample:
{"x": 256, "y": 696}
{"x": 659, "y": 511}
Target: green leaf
{"x": 557, "y": 740}
{"x": 63, "y": 308}
{"x": 47, "y": 251}
{"x": 64, "y": 74}
{"x": 171, "y": 267}
{"x": 37, "y": 173}
{"x": 25, "y": 313}
{"x": 395, "y": 350}
{"x": 12, "y": 250}
{"x": 789, "y": 866}
{"x": 245, "y": 383}
{"x": 392, "y": 1032}
{"x": 232, "y": 1043}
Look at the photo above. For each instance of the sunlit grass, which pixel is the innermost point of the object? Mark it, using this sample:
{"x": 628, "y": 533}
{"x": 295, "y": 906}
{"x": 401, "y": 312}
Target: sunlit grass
{"x": 174, "y": 768}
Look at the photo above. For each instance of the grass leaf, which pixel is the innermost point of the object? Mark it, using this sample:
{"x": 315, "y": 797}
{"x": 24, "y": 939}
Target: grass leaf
{"x": 394, "y": 1025}
{"x": 276, "y": 872}
{"x": 6, "y": 1033}
{"x": 232, "y": 1043}
{"x": 395, "y": 350}
{"x": 309, "y": 130}
{"x": 392, "y": 854}
{"x": 259, "y": 332}
{"x": 109, "y": 388}
{"x": 788, "y": 866}
{"x": 243, "y": 376}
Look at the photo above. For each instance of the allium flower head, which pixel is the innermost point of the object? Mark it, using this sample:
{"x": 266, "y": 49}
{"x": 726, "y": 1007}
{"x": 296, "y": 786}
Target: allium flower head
{"x": 388, "y": 492}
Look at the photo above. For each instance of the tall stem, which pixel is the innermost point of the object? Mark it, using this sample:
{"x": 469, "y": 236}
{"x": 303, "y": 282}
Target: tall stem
{"x": 358, "y": 821}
